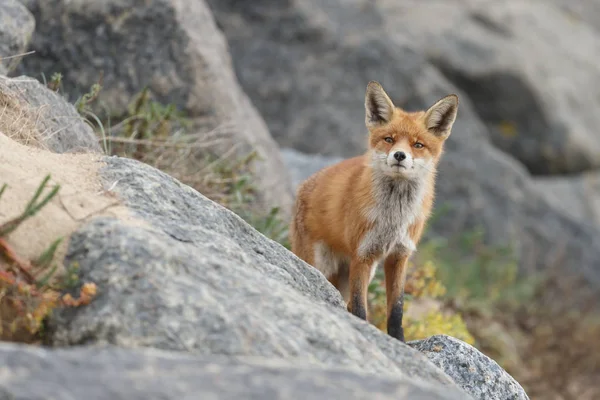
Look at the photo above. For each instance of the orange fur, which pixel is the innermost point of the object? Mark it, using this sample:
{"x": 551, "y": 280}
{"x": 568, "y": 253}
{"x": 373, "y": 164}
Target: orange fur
{"x": 346, "y": 218}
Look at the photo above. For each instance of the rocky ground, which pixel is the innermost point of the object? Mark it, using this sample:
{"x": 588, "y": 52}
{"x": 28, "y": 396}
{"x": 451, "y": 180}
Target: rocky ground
{"x": 177, "y": 272}
{"x": 191, "y": 298}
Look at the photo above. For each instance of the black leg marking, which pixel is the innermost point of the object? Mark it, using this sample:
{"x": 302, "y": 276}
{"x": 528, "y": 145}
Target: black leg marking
{"x": 394, "y": 323}
{"x": 358, "y": 307}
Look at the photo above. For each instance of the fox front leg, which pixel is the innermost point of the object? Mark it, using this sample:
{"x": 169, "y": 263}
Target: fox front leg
{"x": 359, "y": 277}
{"x": 395, "y": 276}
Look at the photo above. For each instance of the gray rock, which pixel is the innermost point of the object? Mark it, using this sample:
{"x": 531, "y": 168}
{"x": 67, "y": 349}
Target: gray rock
{"x": 302, "y": 165}
{"x": 482, "y": 187}
{"x": 58, "y": 126}
{"x": 175, "y": 49}
{"x": 537, "y": 111}
{"x": 306, "y": 65}
{"x": 586, "y": 11}
{"x": 29, "y": 373}
{"x": 485, "y": 188}
{"x": 195, "y": 277}
{"x": 576, "y": 195}
{"x": 475, "y": 372}
{"x": 16, "y": 27}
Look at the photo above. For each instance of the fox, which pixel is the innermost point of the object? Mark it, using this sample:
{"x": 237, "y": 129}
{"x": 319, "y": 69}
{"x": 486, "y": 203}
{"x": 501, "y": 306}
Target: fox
{"x": 350, "y": 216}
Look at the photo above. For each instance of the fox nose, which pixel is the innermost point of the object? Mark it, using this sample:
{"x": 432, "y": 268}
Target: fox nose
{"x": 400, "y": 155}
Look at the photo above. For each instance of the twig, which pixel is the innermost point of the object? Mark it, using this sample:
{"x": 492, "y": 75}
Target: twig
{"x": 23, "y": 265}
{"x": 17, "y": 55}
{"x": 110, "y": 189}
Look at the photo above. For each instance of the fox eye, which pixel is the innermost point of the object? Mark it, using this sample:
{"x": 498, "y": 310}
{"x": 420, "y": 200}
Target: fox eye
{"x": 418, "y": 145}
{"x": 389, "y": 139}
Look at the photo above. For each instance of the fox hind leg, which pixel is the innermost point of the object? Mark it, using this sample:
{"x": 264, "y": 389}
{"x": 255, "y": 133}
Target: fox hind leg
{"x": 334, "y": 267}
{"x": 341, "y": 279}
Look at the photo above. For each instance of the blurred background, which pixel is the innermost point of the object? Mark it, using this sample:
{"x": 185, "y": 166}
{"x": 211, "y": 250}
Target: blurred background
{"x": 244, "y": 99}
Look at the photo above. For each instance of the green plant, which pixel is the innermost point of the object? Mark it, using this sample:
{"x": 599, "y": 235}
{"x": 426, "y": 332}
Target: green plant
{"x": 82, "y": 104}
{"x": 32, "y": 208}
{"x": 238, "y": 193}
{"x": 55, "y": 82}
{"x": 475, "y": 273}
{"x": 453, "y": 276}
{"x": 422, "y": 284}
{"x": 27, "y": 295}
{"x": 149, "y": 119}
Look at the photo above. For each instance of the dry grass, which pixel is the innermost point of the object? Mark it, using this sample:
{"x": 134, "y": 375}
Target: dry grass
{"x": 18, "y": 121}
{"x": 190, "y": 158}
{"x": 208, "y": 161}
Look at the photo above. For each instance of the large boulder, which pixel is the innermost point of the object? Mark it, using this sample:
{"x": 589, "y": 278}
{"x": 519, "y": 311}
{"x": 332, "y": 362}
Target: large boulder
{"x": 302, "y": 165}
{"x": 306, "y": 65}
{"x": 16, "y": 28}
{"x": 112, "y": 373}
{"x": 576, "y": 195}
{"x": 476, "y": 373}
{"x": 175, "y": 49}
{"x": 580, "y": 11}
{"x": 498, "y": 53}
{"x": 34, "y": 114}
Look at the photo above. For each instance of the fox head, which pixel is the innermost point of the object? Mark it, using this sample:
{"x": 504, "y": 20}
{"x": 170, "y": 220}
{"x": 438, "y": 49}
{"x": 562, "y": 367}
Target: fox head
{"x": 404, "y": 144}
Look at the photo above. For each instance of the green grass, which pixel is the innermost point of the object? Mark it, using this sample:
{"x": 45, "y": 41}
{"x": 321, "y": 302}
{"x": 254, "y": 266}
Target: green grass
{"x": 476, "y": 273}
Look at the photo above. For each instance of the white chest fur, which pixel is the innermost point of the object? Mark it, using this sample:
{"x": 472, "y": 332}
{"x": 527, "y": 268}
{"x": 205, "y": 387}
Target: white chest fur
{"x": 397, "y": 205}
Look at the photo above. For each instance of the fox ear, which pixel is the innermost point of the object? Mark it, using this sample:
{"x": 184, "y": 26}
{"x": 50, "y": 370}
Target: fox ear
{"x": 379, "y": 107}
{"x": 440, "y": 117}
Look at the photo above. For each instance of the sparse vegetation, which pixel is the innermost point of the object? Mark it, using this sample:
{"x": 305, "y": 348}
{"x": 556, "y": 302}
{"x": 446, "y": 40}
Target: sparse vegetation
{"x": 55, "y": 82}
{"x": 28, "y": 292}
{"x": 447, "y": 278}
{"x": 423, "y": 305}
{"x": 478, "y": 274}
{"x": 159, "y": 135}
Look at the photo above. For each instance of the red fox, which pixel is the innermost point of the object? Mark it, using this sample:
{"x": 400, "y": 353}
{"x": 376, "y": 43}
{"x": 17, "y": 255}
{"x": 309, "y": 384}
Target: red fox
{"x": 351, "y": 215}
